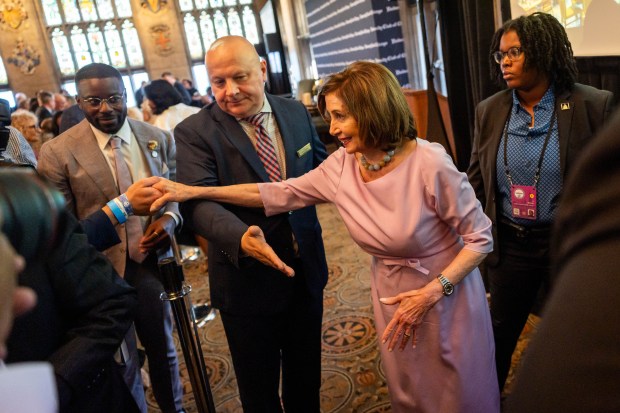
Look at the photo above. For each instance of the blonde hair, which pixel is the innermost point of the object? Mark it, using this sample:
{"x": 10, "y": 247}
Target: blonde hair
{"x": 374, "y": 98}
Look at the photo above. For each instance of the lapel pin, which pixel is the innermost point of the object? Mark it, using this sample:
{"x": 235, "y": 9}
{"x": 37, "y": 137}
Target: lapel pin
{"x": 153, "y": 146}
{"x": 565, "y": 106}
{"x": 301, "y": 152}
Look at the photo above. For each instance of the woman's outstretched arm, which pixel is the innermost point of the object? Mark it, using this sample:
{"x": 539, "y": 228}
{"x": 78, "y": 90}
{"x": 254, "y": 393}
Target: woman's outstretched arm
{"x": 246, "y": 195}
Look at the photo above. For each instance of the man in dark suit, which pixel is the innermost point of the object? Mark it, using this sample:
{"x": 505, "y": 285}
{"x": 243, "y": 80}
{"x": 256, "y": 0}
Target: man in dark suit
{"x": 270, "y": 320}
{"x": 95, "y": 161}
{"x": 70, "y": 117}
{"x": 525, "y": 141}
{"x": 46, "y": 106}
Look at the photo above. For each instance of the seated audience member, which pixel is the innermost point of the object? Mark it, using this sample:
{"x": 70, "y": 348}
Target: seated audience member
{"x": 526, "y": 139}
{"x": 27, "y": 123}
{"x": 139, "y": 94}
{"x": 185, "y": 96}
{"x": 166, "y": 105}
{"x": 21, "y": 102}
{"x": 46, "y": 106}
{"x": 193, "y": 92}
{"x": 70, "y": 117}
{"x": 60, "y": 102}
{"x": 573, "y": 362}
{"x": 18, "y": 151}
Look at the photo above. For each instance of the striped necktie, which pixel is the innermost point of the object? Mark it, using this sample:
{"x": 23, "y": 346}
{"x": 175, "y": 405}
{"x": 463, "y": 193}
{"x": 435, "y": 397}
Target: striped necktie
{"x": 133, "y": 224}
{"x": 264, "y": 147}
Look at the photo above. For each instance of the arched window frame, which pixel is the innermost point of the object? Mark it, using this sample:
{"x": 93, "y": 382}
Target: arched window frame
{"x": 92, "y": 21}
{"x": 199, "y": 13}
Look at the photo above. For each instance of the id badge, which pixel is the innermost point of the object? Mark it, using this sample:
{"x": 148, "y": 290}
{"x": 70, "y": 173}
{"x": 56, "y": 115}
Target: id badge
{"x": 523, "y": 198}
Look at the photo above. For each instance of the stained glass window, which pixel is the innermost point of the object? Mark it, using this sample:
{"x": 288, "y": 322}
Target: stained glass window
{"x": 86, "y": 31}
{"x": 206, "y": 20}
{"x": 104, "y": 7}
{"x": 52, "y": 12}
{"x": 87, "y": 7}
{"x": 193, "y": 37}
{"x": 123, "y": 8}
{"x": 234, "y": 23}
{"x": 206, "y": 27}
{"x": 249, "y": 22}
{"x": 97, "y": 45}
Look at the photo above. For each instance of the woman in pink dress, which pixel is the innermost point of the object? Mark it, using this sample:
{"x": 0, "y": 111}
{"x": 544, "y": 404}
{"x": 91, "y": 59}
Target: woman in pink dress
{"x": 405, "y": 203}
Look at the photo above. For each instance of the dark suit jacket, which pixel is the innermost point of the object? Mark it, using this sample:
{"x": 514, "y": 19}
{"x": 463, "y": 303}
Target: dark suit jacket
{"x": 82, "y": 314}
{"x": 214, "y": 150}
{"x": 587, "y": 109}
{"x": 70, "y": 117}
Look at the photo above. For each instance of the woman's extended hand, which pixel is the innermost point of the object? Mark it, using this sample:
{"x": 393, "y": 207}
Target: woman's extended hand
{"x": 254, "y": 244}
{"x": 413, "y": 306}
{"x": 172, "y": 192}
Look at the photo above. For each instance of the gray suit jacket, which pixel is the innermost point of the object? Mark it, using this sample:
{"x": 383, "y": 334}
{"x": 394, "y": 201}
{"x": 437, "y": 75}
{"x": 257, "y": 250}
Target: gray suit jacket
{"x": 586, "y": 111}
{"x": 75, "y": 164}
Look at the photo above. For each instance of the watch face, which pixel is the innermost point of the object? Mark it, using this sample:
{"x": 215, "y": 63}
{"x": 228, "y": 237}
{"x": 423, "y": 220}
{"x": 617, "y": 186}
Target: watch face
{"x": 448, "y": 289}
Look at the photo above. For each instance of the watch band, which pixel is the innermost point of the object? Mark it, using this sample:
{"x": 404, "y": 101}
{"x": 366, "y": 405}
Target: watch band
{"x": 448, "y": 287}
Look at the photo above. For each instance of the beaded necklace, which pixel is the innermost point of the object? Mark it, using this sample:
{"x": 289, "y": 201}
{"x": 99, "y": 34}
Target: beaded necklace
{"x": 377, "y": 166}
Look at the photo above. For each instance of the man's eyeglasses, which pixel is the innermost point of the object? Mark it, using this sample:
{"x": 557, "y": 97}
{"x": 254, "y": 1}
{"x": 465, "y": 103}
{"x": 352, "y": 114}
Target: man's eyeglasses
{"x": 115, "y": 101}
{"x": 513, "y": 54}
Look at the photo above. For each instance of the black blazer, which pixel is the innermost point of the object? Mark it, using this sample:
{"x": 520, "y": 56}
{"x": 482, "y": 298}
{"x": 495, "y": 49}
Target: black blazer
{"x": 213, "y": 150}
{"x": 82, "y": 314}
{"x": 586, "y": 110}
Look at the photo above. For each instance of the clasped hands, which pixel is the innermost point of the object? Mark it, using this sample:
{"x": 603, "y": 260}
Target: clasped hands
{"x": 141, "y": 195}
{"x": 253, "y": 242}
{"x": 412, "y": 308}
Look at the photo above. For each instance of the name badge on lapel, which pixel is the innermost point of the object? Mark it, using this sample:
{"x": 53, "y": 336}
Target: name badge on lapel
{"x": 301, "y": 152}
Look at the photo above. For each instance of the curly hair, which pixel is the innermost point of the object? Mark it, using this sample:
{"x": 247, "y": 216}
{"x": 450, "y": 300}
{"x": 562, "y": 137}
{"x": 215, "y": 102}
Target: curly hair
{"x": 374, "y": 98}
{"x": 545, "y": 47}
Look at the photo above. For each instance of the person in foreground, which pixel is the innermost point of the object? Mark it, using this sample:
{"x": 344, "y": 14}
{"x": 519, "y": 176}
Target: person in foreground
{"x": 272, "y": 323}
{"x": 573, "y": 362}
{"x": 406, "y": 204}
{"x": 525, "y": 141}
{"x": 94, "y": 164}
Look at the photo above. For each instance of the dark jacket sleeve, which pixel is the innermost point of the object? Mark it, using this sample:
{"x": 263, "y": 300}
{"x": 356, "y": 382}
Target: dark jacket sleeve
{"x": 100, "y": 231}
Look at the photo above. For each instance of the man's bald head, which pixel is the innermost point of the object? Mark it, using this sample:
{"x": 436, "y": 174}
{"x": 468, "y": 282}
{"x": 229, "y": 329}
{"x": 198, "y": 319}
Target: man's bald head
{"x": 237, "y": 76}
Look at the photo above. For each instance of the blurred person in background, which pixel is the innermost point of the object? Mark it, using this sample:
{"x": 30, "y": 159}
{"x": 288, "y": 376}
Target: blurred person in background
{"x": 46, "y": 106}
{"x": 26, "y": 123}
{"x": 166, "y": 105}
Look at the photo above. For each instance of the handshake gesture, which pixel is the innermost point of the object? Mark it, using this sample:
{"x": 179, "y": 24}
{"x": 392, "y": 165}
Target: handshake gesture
{"x": 253, "y": 242}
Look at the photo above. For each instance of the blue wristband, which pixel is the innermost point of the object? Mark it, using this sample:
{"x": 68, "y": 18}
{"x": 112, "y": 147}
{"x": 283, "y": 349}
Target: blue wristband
{"x": 126, "y": 204}
{"x": 120, "y": 216}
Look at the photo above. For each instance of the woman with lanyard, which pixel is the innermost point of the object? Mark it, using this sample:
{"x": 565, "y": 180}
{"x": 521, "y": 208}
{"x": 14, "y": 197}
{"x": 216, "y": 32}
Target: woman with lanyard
{"x": 525, "y": 140}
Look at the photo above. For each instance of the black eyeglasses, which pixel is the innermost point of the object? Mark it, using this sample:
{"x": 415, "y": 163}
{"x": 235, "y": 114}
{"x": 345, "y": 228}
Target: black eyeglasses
{"x": 116, "y": 101}
{"x": 513, "y": 54}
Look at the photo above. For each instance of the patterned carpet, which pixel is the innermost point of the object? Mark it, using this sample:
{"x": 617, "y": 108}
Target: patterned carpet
{"x": 352, "y": 377}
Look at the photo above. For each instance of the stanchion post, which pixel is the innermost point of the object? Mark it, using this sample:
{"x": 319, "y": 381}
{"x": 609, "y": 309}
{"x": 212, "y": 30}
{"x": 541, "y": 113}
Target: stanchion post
{"x": 177, "y": 293}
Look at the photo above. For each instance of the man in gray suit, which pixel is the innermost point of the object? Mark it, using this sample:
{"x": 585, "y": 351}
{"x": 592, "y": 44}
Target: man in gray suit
{"x": 94, "y": 162}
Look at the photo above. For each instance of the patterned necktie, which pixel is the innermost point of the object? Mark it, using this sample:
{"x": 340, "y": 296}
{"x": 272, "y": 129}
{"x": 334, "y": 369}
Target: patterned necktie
{"x": 264, "y": 148}
{"x": 133, "y": 224}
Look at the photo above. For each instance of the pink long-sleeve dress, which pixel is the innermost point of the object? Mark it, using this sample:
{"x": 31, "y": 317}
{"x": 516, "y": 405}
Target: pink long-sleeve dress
{"x": 414, "y": 221}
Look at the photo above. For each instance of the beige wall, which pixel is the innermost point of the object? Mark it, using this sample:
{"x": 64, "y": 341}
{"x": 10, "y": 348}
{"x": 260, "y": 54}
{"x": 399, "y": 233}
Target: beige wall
{"x": 45, "y": 76}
